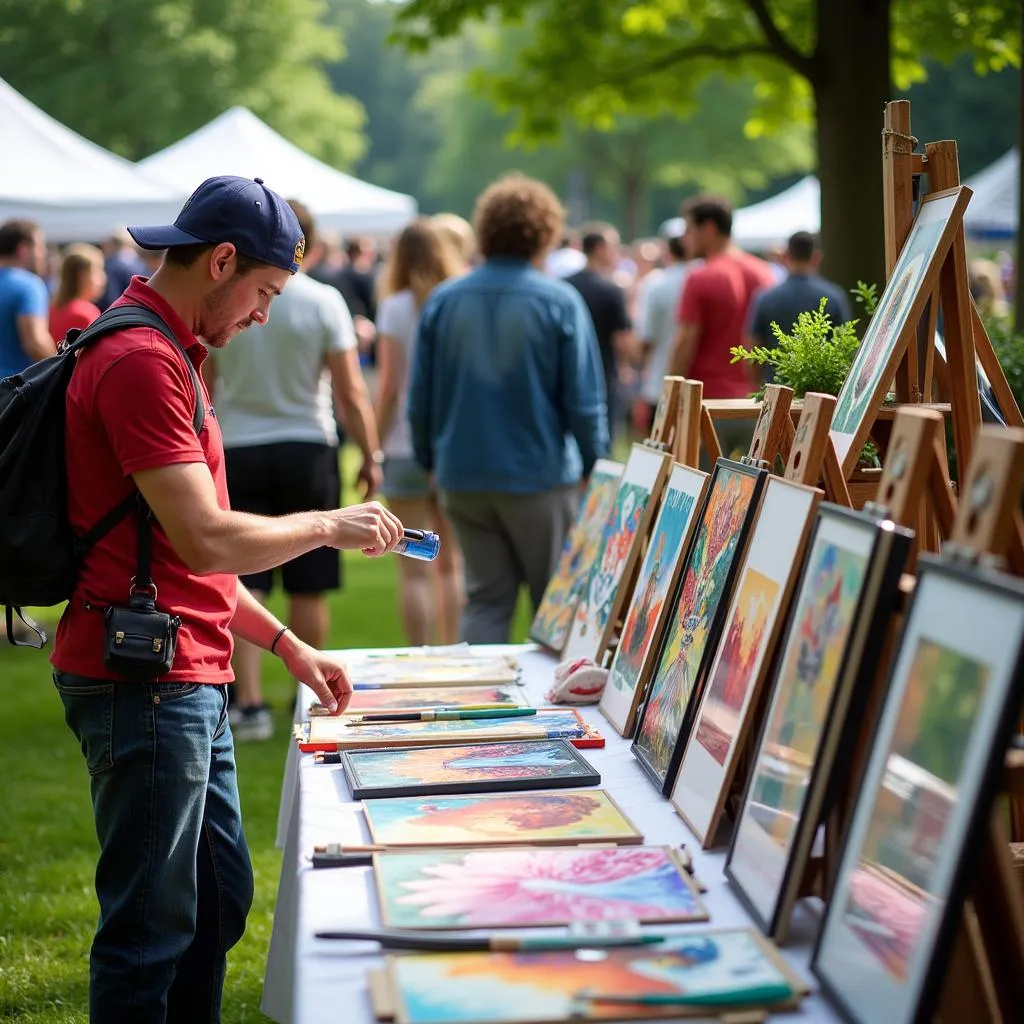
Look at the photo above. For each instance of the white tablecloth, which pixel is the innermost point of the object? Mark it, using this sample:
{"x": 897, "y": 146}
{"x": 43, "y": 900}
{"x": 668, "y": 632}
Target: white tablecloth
{"x": 311, "y": 981}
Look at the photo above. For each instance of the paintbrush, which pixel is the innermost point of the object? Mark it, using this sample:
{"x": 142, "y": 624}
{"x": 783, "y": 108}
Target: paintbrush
{"x": 451, "y": 943}
{"x": 441, "y": 715}
{"x": 771, "y": 992}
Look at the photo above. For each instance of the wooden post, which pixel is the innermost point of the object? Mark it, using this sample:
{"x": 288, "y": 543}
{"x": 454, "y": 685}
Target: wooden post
{"x": 807, "y": 455}
{"x": 689, "y": 423}
{"x": 709, "y": 436}
{"x": 665, "y": 425}
{"x": 774, "y": 432}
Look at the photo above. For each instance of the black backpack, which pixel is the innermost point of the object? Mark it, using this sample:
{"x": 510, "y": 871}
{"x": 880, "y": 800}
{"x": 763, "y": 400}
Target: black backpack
{"x": 39, "y": 553}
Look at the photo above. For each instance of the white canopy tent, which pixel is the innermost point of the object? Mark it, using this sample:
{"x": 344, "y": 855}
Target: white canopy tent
{"x": 769, "y": 224}
{"x": 993, "y": 211}
{"x": 238, "y": 142}
{"x": 76, "y": 190}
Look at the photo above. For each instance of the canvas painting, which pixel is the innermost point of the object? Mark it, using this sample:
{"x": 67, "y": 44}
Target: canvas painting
{"x": 656, "y": 583}
{"x": 554, "y": 616}
{"x": 414, "y": 698}
{"x": 936, "y": 751}
{"x": 751, "y": 629}
{"x": 471, "y": 767}
{"x": 624, "y": 530}
{"x": 564, "y": 723}
{"x": 898, "y": 311}
{"x": 707, "y": 577}
{"x": 525, "y": 888}
{"x": 470, "y": 988}
{"x": 430, "y": 670}
{"x": 572, "y": 816}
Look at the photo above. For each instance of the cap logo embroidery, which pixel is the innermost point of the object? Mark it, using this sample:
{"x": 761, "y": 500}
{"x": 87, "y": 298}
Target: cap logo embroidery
{"x": 300, "y": 250}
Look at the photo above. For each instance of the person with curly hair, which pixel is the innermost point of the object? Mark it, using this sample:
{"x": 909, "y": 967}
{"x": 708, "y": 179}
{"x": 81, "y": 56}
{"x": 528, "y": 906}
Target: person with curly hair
{"x": 507, "y": 404}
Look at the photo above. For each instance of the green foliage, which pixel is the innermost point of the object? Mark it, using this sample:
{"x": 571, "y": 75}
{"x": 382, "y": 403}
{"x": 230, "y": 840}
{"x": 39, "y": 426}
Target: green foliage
{"x": 815, "y": 356}
{"x": 137, "y": 75}
{"x": 1009, "y": 349}
{"x": 867, "y": 296}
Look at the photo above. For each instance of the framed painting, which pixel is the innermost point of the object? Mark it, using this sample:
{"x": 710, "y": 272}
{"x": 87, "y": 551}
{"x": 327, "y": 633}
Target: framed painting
{"x": 467, "y": 768}
{"x": 752, "y": 627}
{"x": 833, "y": 641}
{"x": 505, "y": 819}
{"x": 553, "y": 620}
{"x": 953, "y": 695}
{"x": 696, "y": 619}
{"x": 420, "y": 669}
{"x": 534, "y": 887}
{"x": 648, "y": 611}
{"x": 419, "y": 698}
{"x": 332, "y": 733}
{"x": 895, "y": 320}
{"x": 728, "y": 969}
{"x": 628, "y": 523}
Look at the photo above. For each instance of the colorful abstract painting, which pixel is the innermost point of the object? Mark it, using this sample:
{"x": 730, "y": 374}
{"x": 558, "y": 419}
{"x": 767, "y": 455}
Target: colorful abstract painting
{"x": 470, "y": 988}
{"x": 419, "y": 697}
{"x": 642, "y": 478}
{"x": 430, "y": 670}
{"x": 572, "y": 575}
{"x": 531, "y": 764}
{"x": 894, "y": 881}
{"x": 704, "y": 586}
{"x": 530, "y": 887}
{"x": 745, "y": 636}
{"x": 645, "y": 618}
{"x": 502, "y": 818}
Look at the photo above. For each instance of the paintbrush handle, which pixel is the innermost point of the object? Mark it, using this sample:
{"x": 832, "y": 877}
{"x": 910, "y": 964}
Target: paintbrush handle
{"x": 391, "y": 939}
{"x": 768, "y": 993}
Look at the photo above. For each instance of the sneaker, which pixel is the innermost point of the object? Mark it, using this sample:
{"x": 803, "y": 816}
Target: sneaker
{"x": 251, "y": 724}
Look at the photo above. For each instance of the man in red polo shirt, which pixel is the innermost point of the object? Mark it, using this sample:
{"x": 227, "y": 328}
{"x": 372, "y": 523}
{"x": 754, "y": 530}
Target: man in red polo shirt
{"x": 174, "y": 880}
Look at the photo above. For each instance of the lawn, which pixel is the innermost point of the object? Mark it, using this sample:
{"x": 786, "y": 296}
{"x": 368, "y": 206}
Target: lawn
{"x": 48, "y": 848}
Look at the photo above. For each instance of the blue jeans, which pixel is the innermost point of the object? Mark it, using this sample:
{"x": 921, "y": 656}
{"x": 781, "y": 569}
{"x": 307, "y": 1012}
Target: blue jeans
{"x": 174, "y": 879}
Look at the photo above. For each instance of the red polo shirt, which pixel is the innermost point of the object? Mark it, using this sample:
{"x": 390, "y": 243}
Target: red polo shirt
{"x": 129, "y": 408}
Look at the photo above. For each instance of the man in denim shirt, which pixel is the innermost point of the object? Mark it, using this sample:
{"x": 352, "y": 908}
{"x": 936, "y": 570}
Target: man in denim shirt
{"x": 507, "y": 404}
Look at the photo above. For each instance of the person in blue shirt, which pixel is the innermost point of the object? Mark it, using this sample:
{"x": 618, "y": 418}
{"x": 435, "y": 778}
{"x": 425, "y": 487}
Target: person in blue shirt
{"x": 24, "y": 299}
{"x": 507, "y": 404}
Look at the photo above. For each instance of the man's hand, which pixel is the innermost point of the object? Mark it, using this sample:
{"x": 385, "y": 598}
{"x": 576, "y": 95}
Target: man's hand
{"x": 366, "y": 333}
{"x": 324, "y": 675}
{"x": 370, "y": 477}
{"x": 369, "y": 528}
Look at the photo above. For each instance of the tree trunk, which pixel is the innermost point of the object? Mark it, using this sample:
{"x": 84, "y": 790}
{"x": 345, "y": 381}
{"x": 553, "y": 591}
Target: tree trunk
{"x": 633, "y": 200}
{"x": 851, "y": 89}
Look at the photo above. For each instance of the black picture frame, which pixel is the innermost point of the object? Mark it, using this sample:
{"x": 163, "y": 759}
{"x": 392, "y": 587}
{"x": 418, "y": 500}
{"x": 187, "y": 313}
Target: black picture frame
{"x": 980, "y": 801}
{"x": 889, "y": 550}
{"x": 718, "y": 617}
{"x": 583, "y": 773}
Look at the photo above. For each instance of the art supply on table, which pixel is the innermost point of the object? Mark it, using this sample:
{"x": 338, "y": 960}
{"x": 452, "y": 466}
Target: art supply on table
{"x": 391, "y": 938}
{"x": 421, "y": 544}
{"x": 417, "y": 669}
{"x": 577, "y": 682}
{"x": 772, "y": 992}
{"x": 329, "y": 858}
{"x": 441, "y": 715}
{"x": 326, "y": 757}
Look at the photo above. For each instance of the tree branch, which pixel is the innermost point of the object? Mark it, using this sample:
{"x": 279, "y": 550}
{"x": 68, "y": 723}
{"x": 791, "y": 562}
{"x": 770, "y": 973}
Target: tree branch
{"x": 673, "y": 57}
{"x": 779, "y": 44}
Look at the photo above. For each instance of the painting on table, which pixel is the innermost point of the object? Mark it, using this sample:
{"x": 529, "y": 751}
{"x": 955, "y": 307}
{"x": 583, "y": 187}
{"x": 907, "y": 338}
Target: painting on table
{"x": 528, "y": 887}
{"x": 417, "y": 698}
{"x": 625, "y": 529}
{"x": 655, "y": 586}
{"x": 831, "y": 648}
{"x": 554, "y": 615}
{"x": 921, "y": 816}
{"x": 569, "y": 816}
{"x": 728, "y": 969}
{"x": 898, "y": 313}
{"x": 738, "y": 671}
{"x": 422, "y": 669}
{"x": 696, "y": 620}
{"x": 468, "y": 768}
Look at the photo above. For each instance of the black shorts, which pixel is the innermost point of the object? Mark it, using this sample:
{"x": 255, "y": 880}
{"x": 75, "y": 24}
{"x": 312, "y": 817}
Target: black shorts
{"x": 278, "y": 479}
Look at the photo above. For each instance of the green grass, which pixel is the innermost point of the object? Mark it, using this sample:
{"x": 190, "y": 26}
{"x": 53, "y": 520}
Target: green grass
{"x": 48, "y": 847}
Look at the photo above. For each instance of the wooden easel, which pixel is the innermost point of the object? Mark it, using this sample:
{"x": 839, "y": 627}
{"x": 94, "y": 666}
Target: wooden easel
{"x": 664, "y": 433}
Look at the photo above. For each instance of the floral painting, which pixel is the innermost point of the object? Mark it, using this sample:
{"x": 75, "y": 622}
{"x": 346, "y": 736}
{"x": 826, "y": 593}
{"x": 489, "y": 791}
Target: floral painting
{"x": 466, "y": 988}
{"x": 528, "y": 887}
{"x": 703, "y": 588}
{"x": 560, "y": 817}
{"x": 646, "y": 611}
{"x": 572, "y": 575}
{"x": 418, "y": 697}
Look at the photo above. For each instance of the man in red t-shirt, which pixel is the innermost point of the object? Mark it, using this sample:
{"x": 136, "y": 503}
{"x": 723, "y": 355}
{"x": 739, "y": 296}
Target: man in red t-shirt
{"x": 713, "y": 306}
{"x": 174, "y": 879}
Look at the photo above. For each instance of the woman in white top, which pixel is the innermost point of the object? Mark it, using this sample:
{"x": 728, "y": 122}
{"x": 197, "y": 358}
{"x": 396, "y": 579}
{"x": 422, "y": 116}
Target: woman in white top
{"x": 430, "y": 593}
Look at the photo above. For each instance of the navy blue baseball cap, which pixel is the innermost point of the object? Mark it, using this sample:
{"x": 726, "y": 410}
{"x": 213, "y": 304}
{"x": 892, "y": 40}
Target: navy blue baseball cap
{"x": 242, "y": 211}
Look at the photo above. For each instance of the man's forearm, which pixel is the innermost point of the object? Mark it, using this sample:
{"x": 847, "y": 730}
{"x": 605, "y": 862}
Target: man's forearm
{"x": 253, "y": 622}
{"x": 360, "y": 420}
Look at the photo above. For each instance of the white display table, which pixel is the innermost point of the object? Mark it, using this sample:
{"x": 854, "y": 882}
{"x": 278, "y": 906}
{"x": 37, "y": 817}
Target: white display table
{"x": 311, "y": 981}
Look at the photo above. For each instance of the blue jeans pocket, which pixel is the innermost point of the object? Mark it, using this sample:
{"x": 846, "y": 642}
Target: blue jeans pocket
{"x": 89, "y": 713}
{"x": 164, "y": 692}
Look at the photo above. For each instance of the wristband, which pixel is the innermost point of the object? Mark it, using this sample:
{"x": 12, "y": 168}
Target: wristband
{"x": 280, "y": 633}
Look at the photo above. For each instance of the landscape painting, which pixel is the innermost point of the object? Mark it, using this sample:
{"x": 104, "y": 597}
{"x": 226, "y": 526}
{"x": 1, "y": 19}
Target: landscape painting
{"x": 471, "y": 767}
{"x": 624, "y": 529}
{"x": 706, "y": 580}
{"x": 647, "y": 615}
{"x": 510, "y": 888}
{"x": 573, "y": 816}
{"x": 723, "y": 968}
{"x": 553, "y": 620}
{"x": 420, "y": 669}
{"x": 413, "y": 698}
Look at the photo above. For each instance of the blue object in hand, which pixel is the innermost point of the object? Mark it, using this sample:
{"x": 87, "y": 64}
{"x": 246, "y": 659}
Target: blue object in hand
{"x": 421, "y": 544}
